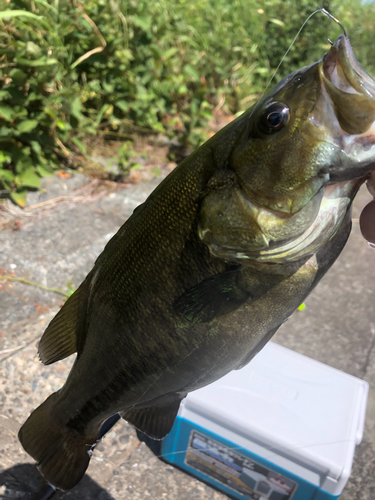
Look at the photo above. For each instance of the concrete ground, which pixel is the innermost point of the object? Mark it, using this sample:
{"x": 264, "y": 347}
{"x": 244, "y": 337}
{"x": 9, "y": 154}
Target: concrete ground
{"x": 58, "y": 241}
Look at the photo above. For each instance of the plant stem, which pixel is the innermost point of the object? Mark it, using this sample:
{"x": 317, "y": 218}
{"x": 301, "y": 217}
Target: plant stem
{"x": 27, "y": 282}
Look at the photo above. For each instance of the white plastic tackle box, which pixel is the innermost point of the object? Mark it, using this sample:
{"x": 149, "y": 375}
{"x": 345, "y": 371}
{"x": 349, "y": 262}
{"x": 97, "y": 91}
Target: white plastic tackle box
{"x": 283, "y": 427}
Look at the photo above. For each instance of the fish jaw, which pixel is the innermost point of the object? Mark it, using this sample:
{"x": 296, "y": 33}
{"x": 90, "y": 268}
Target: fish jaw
{"x": 334, "y": 201}
{"x": 334, "y": 206}
{"x": 350, "y": 130}
{"x": 341, "y": 67}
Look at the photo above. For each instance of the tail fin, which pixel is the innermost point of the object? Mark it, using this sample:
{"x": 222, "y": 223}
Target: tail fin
{"x": 62, "y": 454}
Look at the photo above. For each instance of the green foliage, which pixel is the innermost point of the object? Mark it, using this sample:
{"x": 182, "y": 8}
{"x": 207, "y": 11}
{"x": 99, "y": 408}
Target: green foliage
{"x": 69, "y": 69}
{"x": 36, "y": 95}
{"x": 126, "y": 158}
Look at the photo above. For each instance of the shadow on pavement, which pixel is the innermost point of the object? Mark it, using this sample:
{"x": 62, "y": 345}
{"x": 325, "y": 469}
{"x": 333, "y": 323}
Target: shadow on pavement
{"x": 24, "y": 482}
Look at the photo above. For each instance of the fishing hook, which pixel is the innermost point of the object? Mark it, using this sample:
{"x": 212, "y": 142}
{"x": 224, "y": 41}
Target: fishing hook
{"x": 326, "y": 13}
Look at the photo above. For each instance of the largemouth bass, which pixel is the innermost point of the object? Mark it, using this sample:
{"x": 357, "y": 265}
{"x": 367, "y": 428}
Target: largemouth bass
{"x": 203, "y": 273}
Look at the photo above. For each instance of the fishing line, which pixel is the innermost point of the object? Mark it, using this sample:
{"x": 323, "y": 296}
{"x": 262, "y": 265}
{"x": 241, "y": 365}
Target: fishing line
{"x": 323, "y": 11}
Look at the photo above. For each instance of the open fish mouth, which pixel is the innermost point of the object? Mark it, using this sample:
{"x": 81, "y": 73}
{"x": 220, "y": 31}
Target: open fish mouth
{"x": 351, "y": 91}
{"x": 344, "y": 77}
{"x": 343, "y": 70}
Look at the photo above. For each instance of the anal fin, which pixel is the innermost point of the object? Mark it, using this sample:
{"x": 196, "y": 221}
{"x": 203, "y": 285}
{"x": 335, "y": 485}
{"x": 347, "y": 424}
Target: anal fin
{"x": 154, "y": 421}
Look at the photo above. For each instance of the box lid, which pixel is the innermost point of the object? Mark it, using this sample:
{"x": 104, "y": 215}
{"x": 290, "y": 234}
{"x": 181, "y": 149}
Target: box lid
{"x": 294, "y": 406}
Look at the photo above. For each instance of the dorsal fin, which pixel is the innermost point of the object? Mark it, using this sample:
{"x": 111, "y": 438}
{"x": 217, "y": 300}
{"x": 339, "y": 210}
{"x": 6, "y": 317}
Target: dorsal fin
{"x": 60, "y": 338}
{"x": 155, "y": 421}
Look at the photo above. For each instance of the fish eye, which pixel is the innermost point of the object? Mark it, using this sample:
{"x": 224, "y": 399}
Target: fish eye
{"x": 275, "y": 116}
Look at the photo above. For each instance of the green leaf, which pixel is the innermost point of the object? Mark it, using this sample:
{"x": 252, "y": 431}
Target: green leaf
{"x": 43, "y": 61}
{"x": 23, "y": 163}
{"x": 189, "y": 70}
{"x": 60, "y": 125}
{"x": 108, "y": 87}
{"x": 277, "y": 21}
{"x": 4, "y": 94}
{"x": 123, "y": 105}
{"x": 142, "y": 22}
{"x": 79, "y": 144}
{"x": 158, "y": 126}
{"x": 26, "y": 152}
{"x": 28, "y": 179}
{"x": 6, "y": 113}
{"x": 170, "y": 52}
{"x": 6, "y": 131}
{"x": 44, "y": 171}
{"x": 76, "y": 107}
{"x": 36, "y": 147}
{"x": 32, "y": 48}
{"x": 6, "y": 175}
{"x": 5, "y": 157}
{"x": 19, "y": 197}
{"x": 33, "y": 96}
{"x": 99, "y": 117}
{"x": 206, "y": 114}
{"x": 157, "y": 53}
{"x": 27, "y": 126}
{"x": 18, "y": 76}
{"x": 46, "y": 4}
{"x": 182, "y": 89}
{"x": 19, "y": 13}
{"x": 51, "y": 113}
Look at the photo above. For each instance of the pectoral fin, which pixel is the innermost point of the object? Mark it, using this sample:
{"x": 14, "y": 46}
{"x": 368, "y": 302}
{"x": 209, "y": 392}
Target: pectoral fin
{"x": 155, "y": 421}
{"x": 213, "y": 297}
{"x": 60, "y": 338}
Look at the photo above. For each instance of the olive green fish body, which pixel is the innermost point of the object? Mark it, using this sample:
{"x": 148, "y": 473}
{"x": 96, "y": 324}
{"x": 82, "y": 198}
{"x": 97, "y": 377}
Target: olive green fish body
{"x": 201, "y": 276}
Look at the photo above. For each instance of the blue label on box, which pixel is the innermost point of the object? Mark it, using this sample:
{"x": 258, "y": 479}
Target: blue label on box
{"x": 236, "y": 471}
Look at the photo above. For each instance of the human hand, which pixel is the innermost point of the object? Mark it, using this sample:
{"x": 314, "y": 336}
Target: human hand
{"x": 367, "y": 217}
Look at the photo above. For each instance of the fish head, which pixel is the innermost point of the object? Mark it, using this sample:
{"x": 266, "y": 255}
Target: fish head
{"x": 298, "y": 160}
